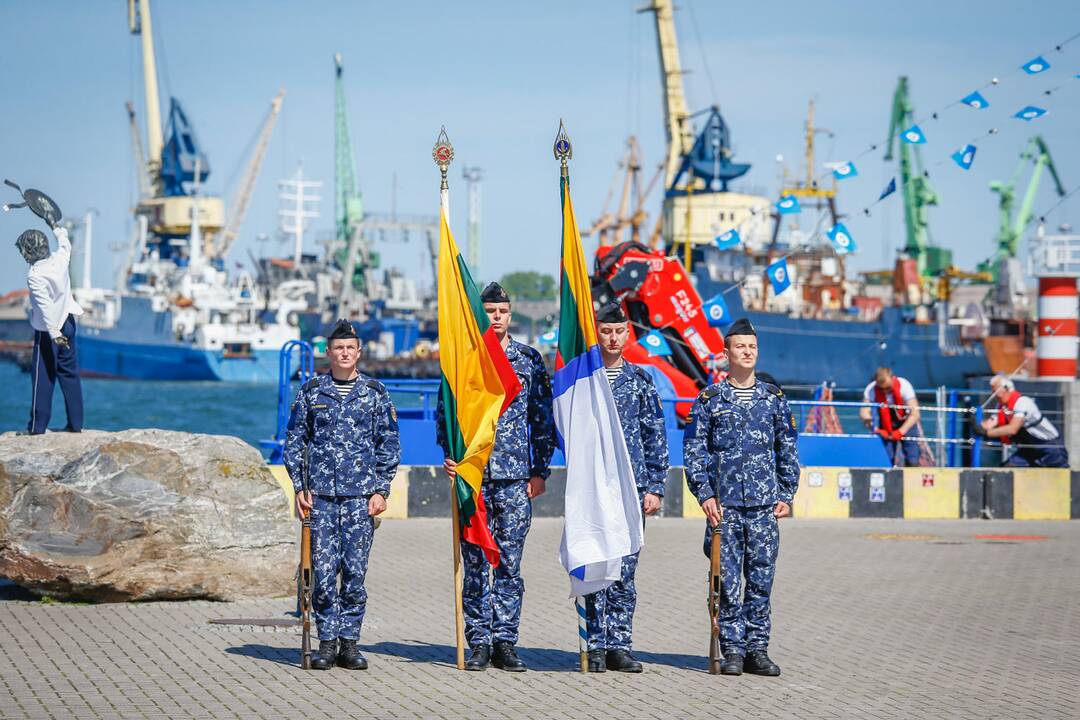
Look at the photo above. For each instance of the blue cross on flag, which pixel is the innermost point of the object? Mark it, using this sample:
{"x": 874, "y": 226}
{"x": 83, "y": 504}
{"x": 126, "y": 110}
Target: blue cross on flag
{"x": 1030, "y": 112}
{"x": 728, "y": 240}
{"x": 655, "y": 344}
{"x": 964, "y": 156}
{"x": 716, "y": 311}
{"x": 975, "y": 100}
{"x": 1035, "y": 66}
{"x": 913, "y": 136}
{"x": 788, "y": 205}
{"x": 778, "y": 276}
{"x": 841, "y": 239}
{"x": 845, "y": 171}
{"x": 889, "y": 190}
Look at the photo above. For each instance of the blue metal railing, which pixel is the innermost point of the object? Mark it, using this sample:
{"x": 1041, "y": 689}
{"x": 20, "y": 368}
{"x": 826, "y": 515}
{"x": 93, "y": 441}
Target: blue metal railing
{"x": 305, "y": 371}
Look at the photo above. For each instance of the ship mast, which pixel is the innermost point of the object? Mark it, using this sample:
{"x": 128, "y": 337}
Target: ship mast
{"x": 679, "y": 133}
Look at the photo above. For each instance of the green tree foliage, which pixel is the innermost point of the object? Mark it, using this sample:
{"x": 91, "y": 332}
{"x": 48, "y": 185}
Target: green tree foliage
{"x": 529, "y": 285}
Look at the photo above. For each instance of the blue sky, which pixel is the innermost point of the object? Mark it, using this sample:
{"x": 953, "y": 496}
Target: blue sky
{"x": 499, "y": 75}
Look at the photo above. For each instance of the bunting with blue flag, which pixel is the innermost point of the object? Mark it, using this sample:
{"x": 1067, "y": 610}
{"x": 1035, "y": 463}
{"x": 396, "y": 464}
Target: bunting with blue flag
{"x": 716, "y": 311}
{"x": 788, "y": 205}
{"x": 841, "y": 239}
{"x": 1030, "y": 112}
{"x": 964, "y": 156}
{"x": 845, "y": 171}
{"x": 975, "y": 100}
{"x": 728, "y": 240}
{"x": 889, "y": 189}
{"x": 913, "y": 136}
{"x": 1035, "y": 65}
{"x": 656, "y": 344}
{"x": 779, "y": 276}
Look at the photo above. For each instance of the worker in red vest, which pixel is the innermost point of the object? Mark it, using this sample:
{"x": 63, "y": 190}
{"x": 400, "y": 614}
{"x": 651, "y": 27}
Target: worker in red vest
{"x": 897, "y": 416}
{"x": 1019, "y": 422}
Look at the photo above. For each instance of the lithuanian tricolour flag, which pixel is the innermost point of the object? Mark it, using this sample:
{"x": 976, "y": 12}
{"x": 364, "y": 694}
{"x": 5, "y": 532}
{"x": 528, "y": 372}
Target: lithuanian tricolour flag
{"x": 603, "y": 517}
{"x": 478, "y": 383}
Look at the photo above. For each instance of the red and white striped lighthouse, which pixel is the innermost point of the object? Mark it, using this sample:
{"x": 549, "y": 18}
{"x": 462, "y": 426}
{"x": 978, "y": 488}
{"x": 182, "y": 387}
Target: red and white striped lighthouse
{"x": 1059, "y": 306}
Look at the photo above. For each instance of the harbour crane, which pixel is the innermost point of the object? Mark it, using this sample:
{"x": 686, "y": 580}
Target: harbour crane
{"x": 1013, "y": 224}
{"x": 916, "y": 190}
{"x": 141, "y": 177}
{"x": 239, "y": 205}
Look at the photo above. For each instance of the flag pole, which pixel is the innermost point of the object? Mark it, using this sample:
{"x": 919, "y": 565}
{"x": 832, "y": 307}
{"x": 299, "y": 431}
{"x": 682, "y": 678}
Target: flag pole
{"x": 443, "y": 154}
{"x": 564, "y": 151}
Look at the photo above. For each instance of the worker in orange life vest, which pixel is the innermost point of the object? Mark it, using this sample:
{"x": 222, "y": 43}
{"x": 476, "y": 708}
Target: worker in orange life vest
{"x": 1019, "y": 420}
{"x": 898, "y": 415}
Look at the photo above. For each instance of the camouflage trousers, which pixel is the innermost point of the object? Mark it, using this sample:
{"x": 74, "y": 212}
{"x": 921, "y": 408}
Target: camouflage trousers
{"x": 341, "y": 534}
{"x": 750, "y": 543}
{"x": 609, "y": 614}
{"x": 492, "y": 597}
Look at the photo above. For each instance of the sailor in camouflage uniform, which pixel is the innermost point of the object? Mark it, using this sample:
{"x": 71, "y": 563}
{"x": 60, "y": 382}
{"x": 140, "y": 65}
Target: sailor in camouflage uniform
{"x": 609, "y": 614}
{"x": 516, "y": 473}
{"x": 348, "y": 424}
{"x": 742, "y": 464}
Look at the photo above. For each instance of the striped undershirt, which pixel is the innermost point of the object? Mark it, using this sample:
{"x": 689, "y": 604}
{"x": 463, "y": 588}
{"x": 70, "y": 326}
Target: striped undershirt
{"x": 344, "y": 387}
{"x": 745, "y": 396}
{"x": 613, "y": 372}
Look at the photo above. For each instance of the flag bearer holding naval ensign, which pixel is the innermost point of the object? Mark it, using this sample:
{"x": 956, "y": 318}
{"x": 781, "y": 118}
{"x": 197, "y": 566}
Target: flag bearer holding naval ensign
{"x": 610, "y": 612}
{"x": 348, "y": 424}
{"x": 742, "y": 464}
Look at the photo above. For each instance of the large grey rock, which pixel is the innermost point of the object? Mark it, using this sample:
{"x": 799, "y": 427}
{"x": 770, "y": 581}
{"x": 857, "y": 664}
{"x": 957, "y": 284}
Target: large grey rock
{"x": 142, "y": 515}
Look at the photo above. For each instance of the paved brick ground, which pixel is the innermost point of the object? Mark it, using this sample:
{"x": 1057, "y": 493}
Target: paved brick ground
{"x": 943, "y": 625}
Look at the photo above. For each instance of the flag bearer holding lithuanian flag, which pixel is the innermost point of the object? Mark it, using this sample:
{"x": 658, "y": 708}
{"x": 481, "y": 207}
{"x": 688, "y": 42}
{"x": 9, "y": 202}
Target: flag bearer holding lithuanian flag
{"x": 496, "y": 429}
{"x": 603, "y": 510}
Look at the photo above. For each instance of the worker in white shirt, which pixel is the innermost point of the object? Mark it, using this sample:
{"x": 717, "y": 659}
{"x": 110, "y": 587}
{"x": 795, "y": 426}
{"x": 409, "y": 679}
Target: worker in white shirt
{"x": 52, "y": 314}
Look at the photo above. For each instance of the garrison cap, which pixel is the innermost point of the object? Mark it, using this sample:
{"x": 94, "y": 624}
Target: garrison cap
{"x": 741, "y": 326}
{"x": 611, "y": 313}
{"x": 494, "y": 293}
{"x": 343, "y": 330}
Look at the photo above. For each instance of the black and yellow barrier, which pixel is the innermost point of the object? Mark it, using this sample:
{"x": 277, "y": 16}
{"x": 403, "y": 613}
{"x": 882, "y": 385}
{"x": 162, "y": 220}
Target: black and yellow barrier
{"x": 824, "y": 492}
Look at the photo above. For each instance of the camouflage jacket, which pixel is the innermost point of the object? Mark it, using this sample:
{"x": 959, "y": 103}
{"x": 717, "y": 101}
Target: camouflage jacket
{"x": 745, "y": 456}
{"x": 353, "y": 442}
{"x": 642, "y": 418}
{"x": 525, "y": 435}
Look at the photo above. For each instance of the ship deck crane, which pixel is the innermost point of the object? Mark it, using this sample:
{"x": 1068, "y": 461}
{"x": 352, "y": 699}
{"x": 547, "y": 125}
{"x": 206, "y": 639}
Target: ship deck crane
{"x": 141, "y": 177}
{"x": 917, "y": 193}
{"x": 239, "y": 205}
{"x": 1037, "y": 154}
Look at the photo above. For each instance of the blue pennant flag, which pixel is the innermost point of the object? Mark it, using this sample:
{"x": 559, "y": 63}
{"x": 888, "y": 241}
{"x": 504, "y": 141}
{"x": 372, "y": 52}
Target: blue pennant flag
{"x": 655, "y": 344}
{"x": 788, "y": 205}
{"x": 550, "y": 338}
{"x": 716, "y": 311}
{"x": 889, "y": 190}
{"x": 778, "y": 276}
{"x": 1035, "y": 66}
{"x": 964, "y": 156}
{"x": 913, "y": 136}
{"x": 841, "y": 239}
{"x": 728, "y": 240}
{"x": 975, "y": 100}
{"x": 1030, "y": 112}
{"x": 845, "y": 171}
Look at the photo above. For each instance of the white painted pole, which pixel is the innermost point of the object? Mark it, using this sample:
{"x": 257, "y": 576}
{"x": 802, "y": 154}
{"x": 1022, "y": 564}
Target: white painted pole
{"x": 88, "y": 247}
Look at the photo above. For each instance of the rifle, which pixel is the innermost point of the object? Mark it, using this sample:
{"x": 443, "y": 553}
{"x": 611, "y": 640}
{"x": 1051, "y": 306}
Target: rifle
{"x": 716, "y": 581}
{"x": 305, "y": 575}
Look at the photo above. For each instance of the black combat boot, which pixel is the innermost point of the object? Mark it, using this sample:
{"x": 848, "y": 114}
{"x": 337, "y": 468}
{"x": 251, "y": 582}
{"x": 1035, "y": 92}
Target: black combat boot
{"x": 505, "y": 657}
{"x": 758, "y": 663}
{"x": 480, "y": 657}
{"x": 349, "y": 656}
{"x": 733, "y": 664}
{"x": 596, "y": 660}
{"x": 324, "y": 657}
{"x": 622, "y": 661}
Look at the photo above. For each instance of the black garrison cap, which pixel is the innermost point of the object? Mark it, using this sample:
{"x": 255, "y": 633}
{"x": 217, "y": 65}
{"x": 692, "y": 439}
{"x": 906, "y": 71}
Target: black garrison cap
{"x": 611, "y": 313}
{"x": 741, "y": 326}
{"x": 343, "y": 330}
{"x": 494, "y": 293}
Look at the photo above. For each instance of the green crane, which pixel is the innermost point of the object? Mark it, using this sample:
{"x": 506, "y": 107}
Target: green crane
{"x": 1037, "y": 154}
{"x": 918, "y": 195}
{"x": 348, "y": 204}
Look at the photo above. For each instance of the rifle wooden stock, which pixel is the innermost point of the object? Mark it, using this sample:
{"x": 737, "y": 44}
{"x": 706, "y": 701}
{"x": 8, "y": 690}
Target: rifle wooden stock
{"x": 716, "y": 580}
